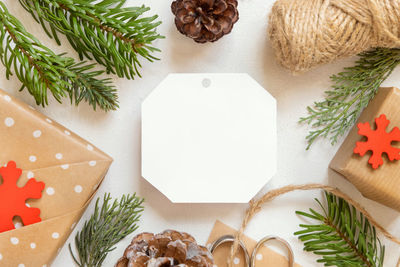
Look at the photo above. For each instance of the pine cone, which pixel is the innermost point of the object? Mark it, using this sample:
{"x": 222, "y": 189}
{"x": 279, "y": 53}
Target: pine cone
{"x": 168, "y": 249}
{"x": 205, "y": 20}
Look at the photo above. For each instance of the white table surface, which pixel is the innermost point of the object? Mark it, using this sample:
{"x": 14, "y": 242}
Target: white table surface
{"x": 246, "y": 49}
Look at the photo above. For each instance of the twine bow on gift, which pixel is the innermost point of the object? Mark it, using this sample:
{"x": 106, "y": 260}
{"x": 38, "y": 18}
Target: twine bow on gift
{"x": 306, "y": 33}
{"x": 256, "y": 206}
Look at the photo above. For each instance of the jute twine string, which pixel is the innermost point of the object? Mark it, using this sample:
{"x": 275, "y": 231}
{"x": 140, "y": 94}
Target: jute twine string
{"x": 306, "y": 33}
{"x": 256, "y": 206}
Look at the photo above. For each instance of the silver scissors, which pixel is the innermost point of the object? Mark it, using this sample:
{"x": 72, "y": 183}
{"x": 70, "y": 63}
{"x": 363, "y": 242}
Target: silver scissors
{"x": 251, "y": 262}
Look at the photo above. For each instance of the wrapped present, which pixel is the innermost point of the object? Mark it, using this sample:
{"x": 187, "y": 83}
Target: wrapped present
{"x": 369, "y": 157}
{"x": 67, "y": 169}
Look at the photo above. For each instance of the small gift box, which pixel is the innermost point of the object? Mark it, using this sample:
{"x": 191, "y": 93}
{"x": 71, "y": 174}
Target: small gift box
{"x": 376, "y": 176}
{"x": 68, "y": 168}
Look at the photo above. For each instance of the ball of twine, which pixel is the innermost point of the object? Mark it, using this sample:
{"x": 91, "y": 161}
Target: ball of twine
{"x": 306, "y": 33}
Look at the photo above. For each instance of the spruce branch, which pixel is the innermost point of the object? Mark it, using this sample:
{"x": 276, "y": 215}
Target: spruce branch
{"x": 41, "y": 70}
{"x": 108, "y": 225}
{"x": 114, "y": 36}
{"x": 343, "y": 237}
{"x": 351, "y": 92}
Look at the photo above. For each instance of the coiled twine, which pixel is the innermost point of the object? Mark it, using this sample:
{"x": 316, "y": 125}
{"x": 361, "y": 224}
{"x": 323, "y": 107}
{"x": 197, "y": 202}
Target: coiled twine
{"x": 307, "y": 33}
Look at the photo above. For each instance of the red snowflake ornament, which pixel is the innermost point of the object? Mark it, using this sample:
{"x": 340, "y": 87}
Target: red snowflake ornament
{"x": 12, "y": 198}
{"x": 379, "y": 141}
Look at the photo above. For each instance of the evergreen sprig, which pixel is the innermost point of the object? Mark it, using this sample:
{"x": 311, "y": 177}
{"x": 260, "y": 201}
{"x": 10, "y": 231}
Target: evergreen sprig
{"x": 108, "y": 225}
{"x": 343, "y": 236}
{"x": 41, "y": 70}
{"x": 114, "y": 36}
{"x": 351, "y": 92}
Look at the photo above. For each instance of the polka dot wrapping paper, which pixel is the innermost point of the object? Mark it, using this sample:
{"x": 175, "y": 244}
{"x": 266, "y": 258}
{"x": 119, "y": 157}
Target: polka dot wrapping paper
{"x": 266, "y": 257}
{"x": 71, "y": 168}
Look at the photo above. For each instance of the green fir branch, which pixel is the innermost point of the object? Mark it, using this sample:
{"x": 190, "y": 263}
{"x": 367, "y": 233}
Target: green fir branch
{"x": 114, "y": 36}
{"x": 108, "y": 225}
{"x": 41, "y": 70}
{"x": 343, "y": 237}
{"x": 351, "y": 92}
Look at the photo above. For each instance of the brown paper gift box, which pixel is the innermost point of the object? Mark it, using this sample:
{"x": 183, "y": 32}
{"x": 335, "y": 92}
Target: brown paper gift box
{"x": 382, "y": 184}
{"x": 71, "y": 168}
{"x": 266, "y": 257}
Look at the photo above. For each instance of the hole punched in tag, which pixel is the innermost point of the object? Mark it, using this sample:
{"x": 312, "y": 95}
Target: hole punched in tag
{"x": 206, "y": 82}
{"x": 251, "y": 262}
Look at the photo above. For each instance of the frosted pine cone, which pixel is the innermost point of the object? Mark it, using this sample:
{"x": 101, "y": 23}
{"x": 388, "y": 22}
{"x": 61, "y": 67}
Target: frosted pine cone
{"x": 168, "y": 249}
{"x": 205, "y": 20}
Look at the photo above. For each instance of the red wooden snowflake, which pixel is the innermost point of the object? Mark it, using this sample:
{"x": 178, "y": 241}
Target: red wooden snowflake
{"x": 379, "y": 141}
{"x": 12, "y": 198}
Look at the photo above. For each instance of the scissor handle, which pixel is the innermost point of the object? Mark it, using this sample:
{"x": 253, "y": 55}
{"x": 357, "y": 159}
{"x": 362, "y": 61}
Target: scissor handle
{"x": 231, "y": 239}
{"x": 265, "y": 240}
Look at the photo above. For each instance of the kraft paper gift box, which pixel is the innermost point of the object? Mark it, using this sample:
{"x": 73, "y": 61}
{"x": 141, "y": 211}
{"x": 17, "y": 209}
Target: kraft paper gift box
{"x": 381, "y": 184}
{"x": 71, "y": 168}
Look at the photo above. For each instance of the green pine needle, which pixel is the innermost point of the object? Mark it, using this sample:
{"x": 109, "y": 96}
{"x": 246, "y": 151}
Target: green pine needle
{"x": 108, "y": 225}
{"x": 41, "y": 70}
{"x": 351, "y": 92}
{"x": 103, "y": 30}
{"x": 343, "y": 237}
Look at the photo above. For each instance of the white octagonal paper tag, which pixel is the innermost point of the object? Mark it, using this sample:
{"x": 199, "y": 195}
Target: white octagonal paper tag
{"x": 209, "y": 138}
